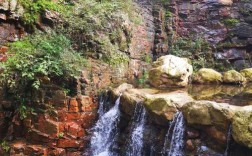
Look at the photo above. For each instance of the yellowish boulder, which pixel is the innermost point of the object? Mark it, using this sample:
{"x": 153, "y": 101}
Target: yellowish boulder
{"x": 247, "y": 73}
{"x": 170, "y": 71}
{"x": 242, "y": 126}
{"x": 233, "y": 77}
{"x": 207, "y": 76}
{"x": 208, "y": 113}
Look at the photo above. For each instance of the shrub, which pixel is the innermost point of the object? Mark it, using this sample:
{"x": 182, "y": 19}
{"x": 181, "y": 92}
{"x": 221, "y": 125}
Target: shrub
{"x": 36, "y": 60}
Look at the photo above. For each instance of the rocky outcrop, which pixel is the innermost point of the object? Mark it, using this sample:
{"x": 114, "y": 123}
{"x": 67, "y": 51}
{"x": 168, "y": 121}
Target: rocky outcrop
{"x": 210, "y": 117}
{"x": 242, "y": 126}
{"x": 56, "y": 127}
{"x": 224, "y": 24}
{"x": 207, "y": 76}
{"x": 233, "y": 77}
{"x": 247, "y": 73}
{"x": 170, "y": 71}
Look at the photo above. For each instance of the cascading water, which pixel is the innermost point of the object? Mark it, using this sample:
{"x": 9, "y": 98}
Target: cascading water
{"x": 165, "y": 150}
{"x": 104, "y": 104}
{"x": 105, "y": 132}
{"x": 228, "y": 140}
{"x": 176, "y": 147}
{"x": 177, "y": 141}
{"x": 135, "y": 144}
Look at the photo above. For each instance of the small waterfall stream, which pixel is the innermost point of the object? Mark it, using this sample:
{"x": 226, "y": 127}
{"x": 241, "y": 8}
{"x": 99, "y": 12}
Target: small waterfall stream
{"x": 135, "y": 144}
{"x": 105, "y": 130}
{"x": 229, "y": 135}
{"x": 165, "y": 150}
{"x": 176, "y": 147}
{"x": 178, "y": 136}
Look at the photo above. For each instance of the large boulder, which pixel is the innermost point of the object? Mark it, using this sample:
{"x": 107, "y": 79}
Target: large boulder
{"x": 209, "y": 113}
{"x": 206, "y": 76}
{"x": 247, "y": 73}
{"x": 233, "y": 77}
{"x": 170, "y": 71}
{"x": 242, "y": 126}
{"x": 163, "y": 106}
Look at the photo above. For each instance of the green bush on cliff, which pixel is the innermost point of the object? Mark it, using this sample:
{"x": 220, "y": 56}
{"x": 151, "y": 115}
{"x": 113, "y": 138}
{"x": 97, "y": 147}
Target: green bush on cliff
{"x": 99, "y": 28}
{"x": 197, "y": 50}
{"x": 33, "y": 9}
{"x": 36, "y": 60}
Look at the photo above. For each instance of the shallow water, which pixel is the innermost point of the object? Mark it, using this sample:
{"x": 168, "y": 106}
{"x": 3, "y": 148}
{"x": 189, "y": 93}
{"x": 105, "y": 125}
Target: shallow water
{"x": 232, "y": 94}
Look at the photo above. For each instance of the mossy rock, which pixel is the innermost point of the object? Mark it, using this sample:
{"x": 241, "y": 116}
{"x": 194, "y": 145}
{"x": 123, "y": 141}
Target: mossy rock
{"x": 207, "y": 76}
{"x": 242, "y": 126}
{"x": 247, "y": 73}
{"x": 233, "y": 77}
{"x": 209, "y": 113}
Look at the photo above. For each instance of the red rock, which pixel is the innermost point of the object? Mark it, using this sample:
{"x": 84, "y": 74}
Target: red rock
{"x": 36, "y": 150}
{"x": 216, "y": 135}
{"x": 72, "y": 153}
{"x": 48, "y": 126}
{"x": 73, "y": 102}
{"x": 17, "y": 147}
{"x": 68, "y": 143}
{"x": 3, "y": 49}
{"x": 72, "y": 116}
{"x": 189, "y": 145}
{"x": 74, "y": 109}
{"x": 35, "y": 136}
{"x": 57, "y": 152}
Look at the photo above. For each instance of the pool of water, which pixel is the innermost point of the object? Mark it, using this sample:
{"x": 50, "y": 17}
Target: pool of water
{"x": 232, "y": 94}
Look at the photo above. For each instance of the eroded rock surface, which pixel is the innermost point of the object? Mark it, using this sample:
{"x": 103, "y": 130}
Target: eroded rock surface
{"x": 170, "y": 71}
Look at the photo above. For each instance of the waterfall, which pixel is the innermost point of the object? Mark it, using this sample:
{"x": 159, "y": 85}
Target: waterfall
{"x": 177, "y": 141}
{"x": 135, "y": 144}
{"x": 103, "y": 104}
{"x": 105, "y": 131}
{"x": 176, "y": 147}
{"x": 229, "y": 135}
{"x": 165, "y": 149}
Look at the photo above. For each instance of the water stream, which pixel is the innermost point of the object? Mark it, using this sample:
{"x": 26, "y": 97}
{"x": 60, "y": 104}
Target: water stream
{"x": 229, "y": 135}
{"x": 178, "y": 137}
{"x": 165, "y": 149}
{"x": 106, "y": 131}
{"x": 135, "y": 143}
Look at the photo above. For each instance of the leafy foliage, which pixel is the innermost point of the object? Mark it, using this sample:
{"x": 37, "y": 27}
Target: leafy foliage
{"x": 36, "y": 60}
{"x": 198, "y": 51}
{"x": 33, "y": 8}
{"x": 98, "y": 28}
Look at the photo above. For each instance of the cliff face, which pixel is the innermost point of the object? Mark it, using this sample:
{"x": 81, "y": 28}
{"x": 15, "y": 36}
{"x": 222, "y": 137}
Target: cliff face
{"x": 224, "y": 24}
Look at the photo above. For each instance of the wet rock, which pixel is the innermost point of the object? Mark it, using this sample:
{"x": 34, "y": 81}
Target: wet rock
{"x": 170, "y": 71}
{"x": 216, "y": 135}
{"x": 208, "y": 113}
{"x": 192, "y": 134}
{"x": 206, "y": 76}
{"x": 189, "y": 145}
{"x": 247, "y": 73}
{"x": 233, "y": 77}
{"x": 244, "y": 30}
{"x": 242, "y": 127}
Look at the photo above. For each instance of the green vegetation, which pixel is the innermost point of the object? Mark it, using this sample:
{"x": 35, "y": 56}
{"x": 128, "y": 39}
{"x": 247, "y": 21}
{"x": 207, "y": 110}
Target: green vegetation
{"x": 4, "y": 145}
{"x": 36, "y": 61}
{"x": 34, "y": 8}
{"x": 61, "y": 135}
{"x": 230, "y": 22}
{"x": 99, "y": 28}
{"x": 198, "y": 51}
